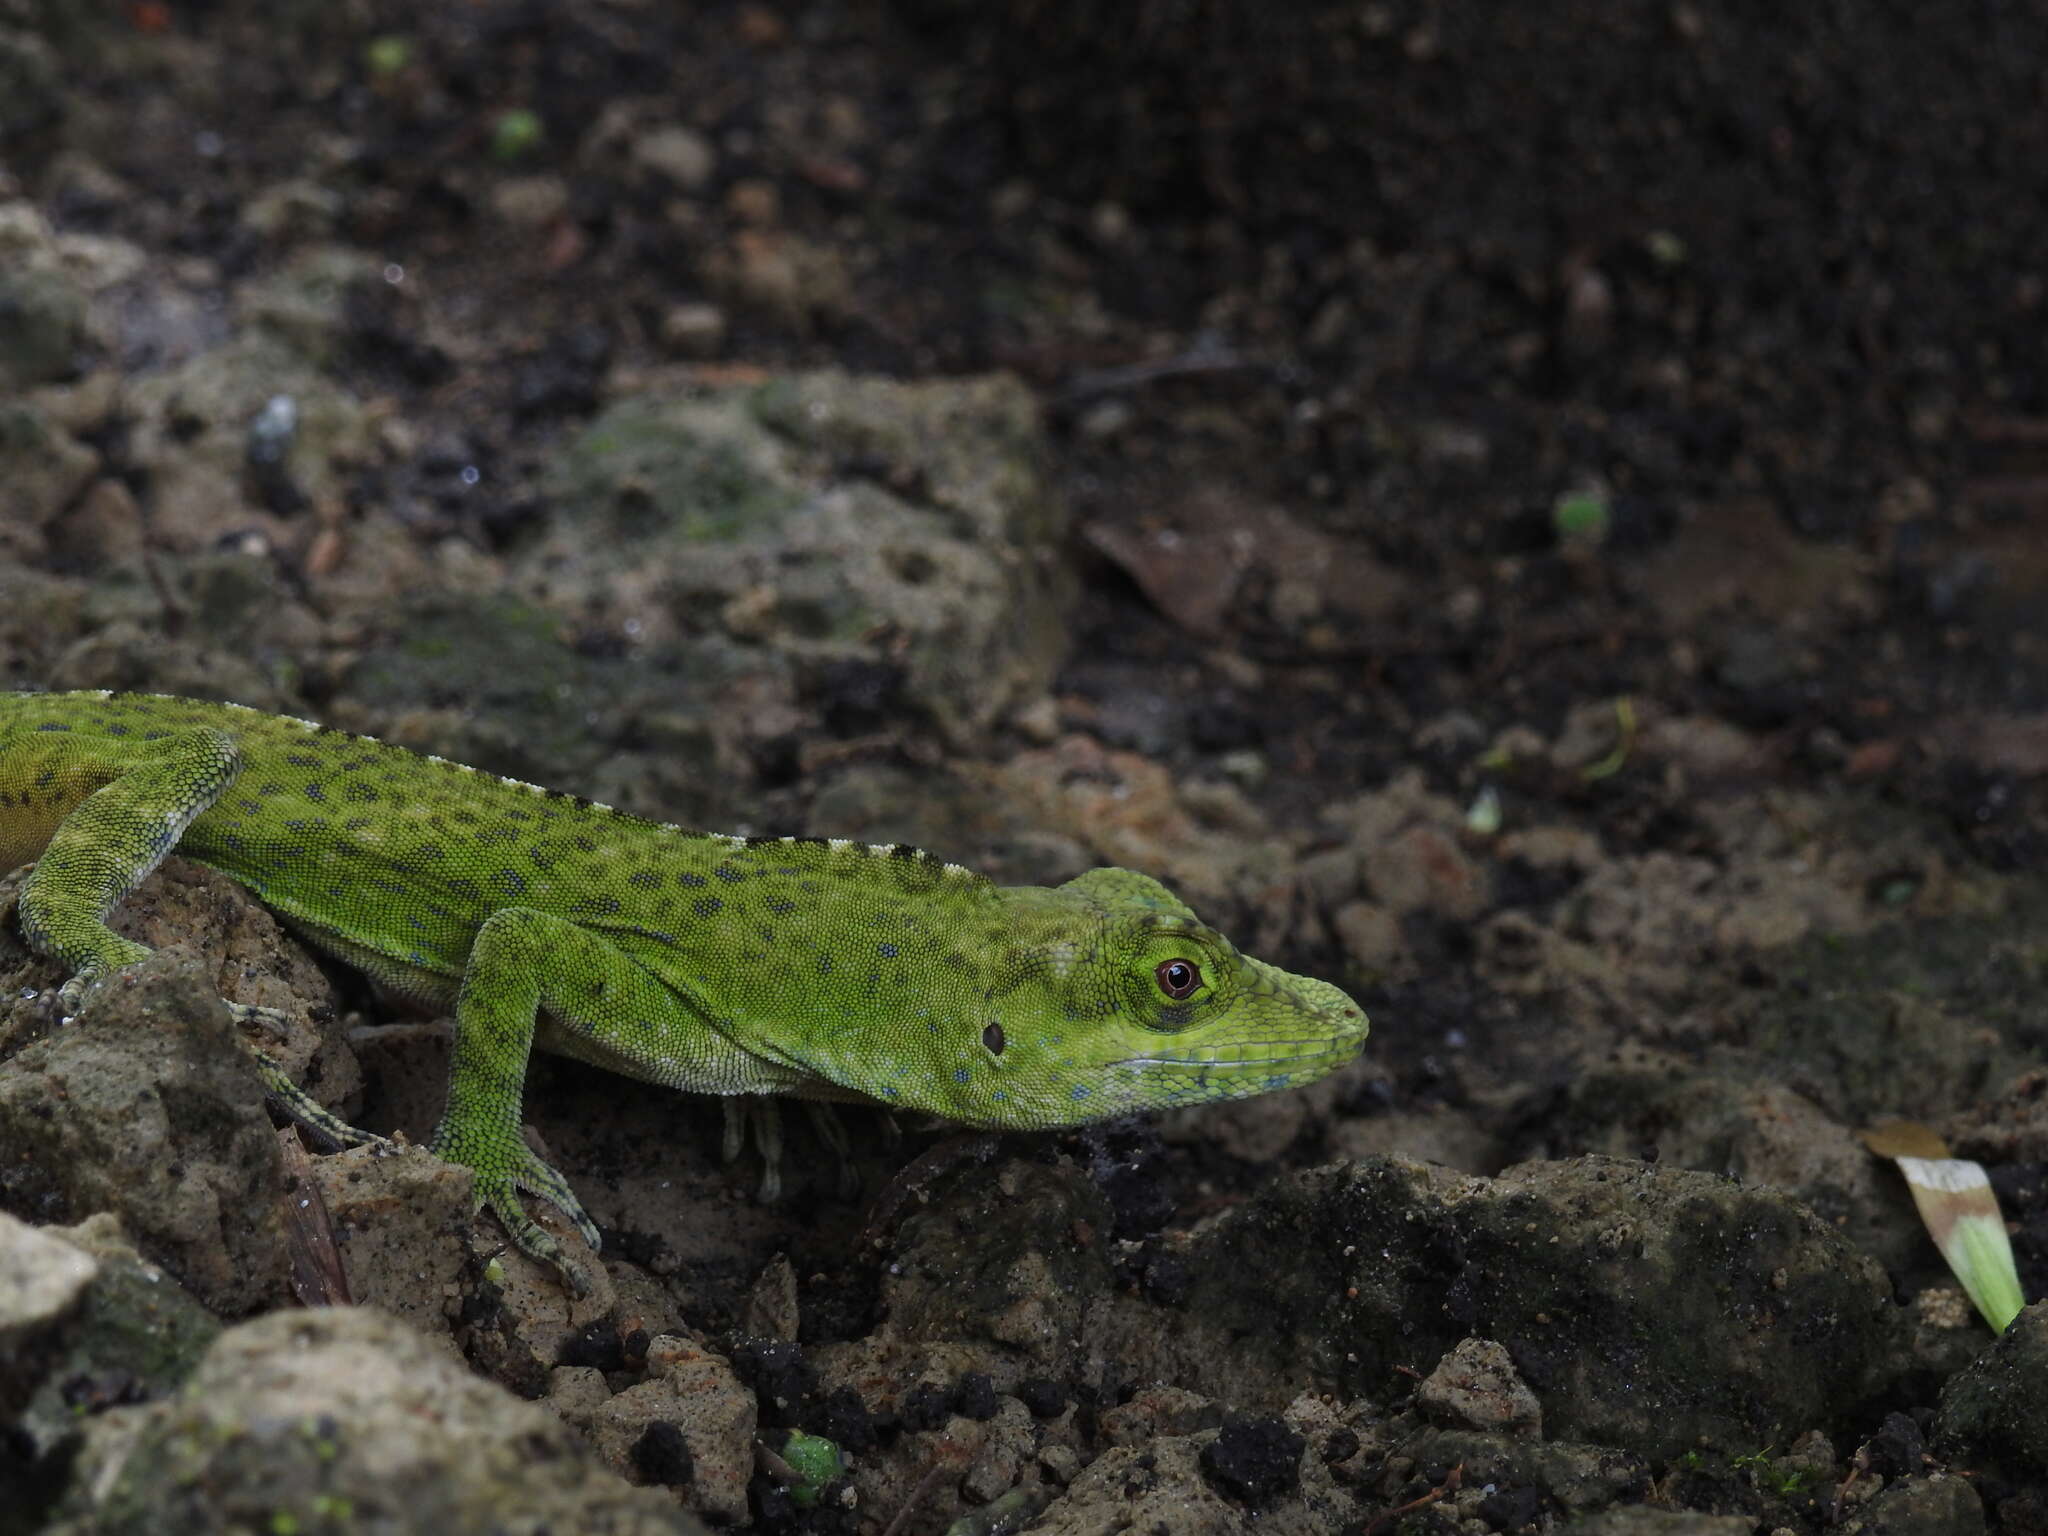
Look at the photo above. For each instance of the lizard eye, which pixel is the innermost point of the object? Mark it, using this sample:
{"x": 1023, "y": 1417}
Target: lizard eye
{"x": 1178, "y": 978}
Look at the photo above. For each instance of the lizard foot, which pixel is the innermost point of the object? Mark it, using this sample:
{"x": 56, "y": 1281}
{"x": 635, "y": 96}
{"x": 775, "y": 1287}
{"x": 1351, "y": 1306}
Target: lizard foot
{"x": 762, "y": 1115}
{"x": 832, "y": 1131}
{"x": 91, "y": 976}
{"x": 505, "y": 1166}
{"x": 288, "y": 1095}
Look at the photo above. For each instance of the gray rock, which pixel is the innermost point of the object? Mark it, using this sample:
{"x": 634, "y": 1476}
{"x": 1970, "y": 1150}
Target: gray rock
{"x": 994, "y": 1262}
{"x": 1646, "y": 1307}
{"x": 1475, "y": 1387}
{"x": 31, "y": 85}
{"x": 926, "y": 580}
{"x": 678, "y": 153}
{"x": 42, "y": 1281}
{"x": 342, "y": 1417}
{"x": 42, "y": 469}
{"x": 134, "y": 1337}
{"x": 1162, "y": 1486}
{"x": 304, "y": 301}
{"x": 1996, "y": 1412}
{"x": 1578, "y": 1478}
{"x": 148, "y": 1107}
{"x": 1941, "y": 1505}
{"x": 1643, "y": 1520}
{"x": 1731, "y": 1116}
{"x": 42, "y": 326}
{"x": 697, "y": 1393}
{"x": 191, "y": 423}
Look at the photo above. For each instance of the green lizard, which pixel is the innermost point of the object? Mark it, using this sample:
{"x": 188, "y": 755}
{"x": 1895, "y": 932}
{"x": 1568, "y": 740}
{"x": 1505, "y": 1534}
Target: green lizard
{"x": 828, "y": 970}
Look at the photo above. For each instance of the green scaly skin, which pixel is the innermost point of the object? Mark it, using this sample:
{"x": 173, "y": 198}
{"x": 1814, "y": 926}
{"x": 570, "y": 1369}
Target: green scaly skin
{"x": 725, "y": 965}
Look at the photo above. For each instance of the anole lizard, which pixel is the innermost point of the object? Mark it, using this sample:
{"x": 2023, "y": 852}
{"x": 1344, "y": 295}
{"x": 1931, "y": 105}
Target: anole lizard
{"x": 825, "y": 969}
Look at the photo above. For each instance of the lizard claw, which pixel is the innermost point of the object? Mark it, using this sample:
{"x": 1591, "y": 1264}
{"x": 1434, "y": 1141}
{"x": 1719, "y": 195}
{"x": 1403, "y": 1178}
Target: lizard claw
{"x": 505, "y": 1166}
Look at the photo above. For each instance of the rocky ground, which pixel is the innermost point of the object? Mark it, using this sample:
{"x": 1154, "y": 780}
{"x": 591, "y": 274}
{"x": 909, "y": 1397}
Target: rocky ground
{"x": 1534, "y": 514}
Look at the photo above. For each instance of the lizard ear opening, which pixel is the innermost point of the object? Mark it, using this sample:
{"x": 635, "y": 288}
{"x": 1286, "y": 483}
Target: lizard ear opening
{"x": 992, "y": 1037}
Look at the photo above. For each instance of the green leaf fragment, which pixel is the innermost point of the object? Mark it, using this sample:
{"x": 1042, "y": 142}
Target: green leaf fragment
{"x": 1960, "y": 1208}
{"x": 387, "y": 55}
{"x": 516, "y": 134}
{"x": 1581, "y": 518}
{"x": 816, "y": 1462}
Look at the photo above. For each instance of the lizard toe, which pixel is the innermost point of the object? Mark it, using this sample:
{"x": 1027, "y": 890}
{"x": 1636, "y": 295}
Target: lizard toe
{"x": 504, "y": 1167}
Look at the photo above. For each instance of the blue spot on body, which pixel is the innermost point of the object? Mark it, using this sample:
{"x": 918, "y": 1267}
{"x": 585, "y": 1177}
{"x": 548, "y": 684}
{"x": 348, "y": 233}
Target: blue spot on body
{"x": 510, "y": 881}
{"x": 999, "y": 1095}
{"x": 886, "y": 951}
{"x": 706, "y": 906}
{"x": 891, "y": 1092}
{"x": 1276, "y": 1082}
{"x": 1078, "y": 1091}
{"x": 686, "y": 878}
{"x": 959, "y": 1074}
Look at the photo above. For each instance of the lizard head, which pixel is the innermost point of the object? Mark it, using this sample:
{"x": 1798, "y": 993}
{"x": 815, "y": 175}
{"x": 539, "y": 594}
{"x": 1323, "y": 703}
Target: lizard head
{"x": 1114, "y": 998}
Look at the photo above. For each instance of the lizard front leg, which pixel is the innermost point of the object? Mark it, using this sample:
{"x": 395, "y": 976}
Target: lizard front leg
{"x": 98, "y": 816}
{"x": 611, "y": 1010}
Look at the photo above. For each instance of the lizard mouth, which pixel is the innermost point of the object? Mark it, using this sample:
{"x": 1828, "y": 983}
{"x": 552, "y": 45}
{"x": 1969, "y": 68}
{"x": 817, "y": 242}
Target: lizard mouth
{"x": 1259, "y": 1055}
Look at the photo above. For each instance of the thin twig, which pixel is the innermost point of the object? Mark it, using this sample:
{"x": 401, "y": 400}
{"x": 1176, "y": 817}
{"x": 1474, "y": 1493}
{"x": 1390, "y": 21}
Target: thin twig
{"x": 924, "y": 1486}
{"x": 1448, "y": 1486}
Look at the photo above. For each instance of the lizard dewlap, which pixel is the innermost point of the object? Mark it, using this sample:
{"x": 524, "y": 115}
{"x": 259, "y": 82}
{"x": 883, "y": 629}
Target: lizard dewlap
{"x": 729, "y": 965}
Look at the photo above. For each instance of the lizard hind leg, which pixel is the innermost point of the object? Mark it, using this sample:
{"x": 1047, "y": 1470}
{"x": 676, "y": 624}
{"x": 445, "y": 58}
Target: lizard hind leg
{"x": 832, "y": 1132}
{"x": 762, "y": 1115}
{"x": 288, "y": 1095}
